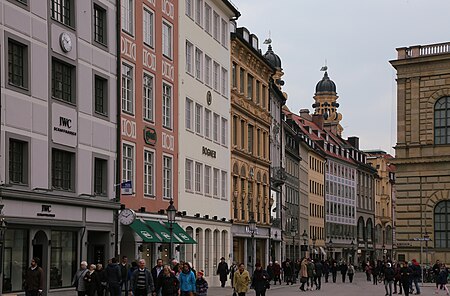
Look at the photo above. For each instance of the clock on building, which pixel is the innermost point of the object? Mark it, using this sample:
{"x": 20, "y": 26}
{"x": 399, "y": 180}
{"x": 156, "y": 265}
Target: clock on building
{"x": 65, "y": 42}
{"x": 127, "y": 216}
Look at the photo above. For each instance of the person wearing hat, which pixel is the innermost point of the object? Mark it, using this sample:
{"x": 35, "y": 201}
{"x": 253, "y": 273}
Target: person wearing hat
{"x": 222, "y": 271}
{"x": 260, "y": 280}
{"x": 201, "y": 284}
{"x": 389, "y": 275}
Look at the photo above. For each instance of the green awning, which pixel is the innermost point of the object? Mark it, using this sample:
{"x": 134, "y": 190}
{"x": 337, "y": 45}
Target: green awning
{"x": 161, "y": 231}
{"x": 144, "y": 232}
{"x": 181, "y": 234}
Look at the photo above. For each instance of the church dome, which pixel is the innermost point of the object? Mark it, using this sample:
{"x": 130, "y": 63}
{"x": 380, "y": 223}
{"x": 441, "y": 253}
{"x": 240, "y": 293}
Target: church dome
{"x": 273, "y": 58}
{"x": 325, "y": 85}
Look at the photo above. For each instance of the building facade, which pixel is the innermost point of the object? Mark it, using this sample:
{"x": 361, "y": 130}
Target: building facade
{"x": 422, "y": 153}
{"x": 58, "y": 137}
{"x": 250, "y": 157}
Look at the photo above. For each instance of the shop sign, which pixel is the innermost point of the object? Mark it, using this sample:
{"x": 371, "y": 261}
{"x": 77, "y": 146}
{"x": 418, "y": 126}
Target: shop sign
{"x": 64, "y": 125}
{"x": 126, "y": 188}
{"x": 150, "y": 136}
{"x": 46, "y": 211}
{"x": 208, "y": 152}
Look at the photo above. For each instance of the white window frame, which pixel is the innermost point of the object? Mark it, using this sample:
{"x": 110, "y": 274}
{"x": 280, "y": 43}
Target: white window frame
{"x": 167, "y": 108}
{"x": 127, "y": 13}
{"x": 207, "y": 180}
{"x": 149, "y": 181}
{"x": 131, "y": 162}
{"x": 188, "y": 114}
{"x": 216, "y": 26}
{"x": 224, "y": 132}
{"x": 127, "y": 102}
{"x": 167, "y": 40}
{"x": 224, "y": 82}
{"x": 167, "y": 183}
{"x": 224, "y": 182}
{"x": 207, "y": 127}
{"x": 148, "y": 26}
{"x": 188, "y": 175}
{"x": 198, "y": 174}
{"x": 216, "y": 182}
{"x": 189, "y": 8}
{"x": 189, "y": 58}
{"x": 149, "y": 101}
{"x": 199, "y": 12}
{"x": 216, "y": 128}
{"x": 198, "y": 64}
{"x": 208, "y": 70}
{"x": 224, "y": 35}
{"x": 216, "y": 76}
{"x": 208, "y": 19}
{"x": 198, "y": 118}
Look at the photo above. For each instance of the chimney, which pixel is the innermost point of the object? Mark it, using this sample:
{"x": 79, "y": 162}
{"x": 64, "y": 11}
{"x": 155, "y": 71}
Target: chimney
{"x": 354, "y": 141}
{"x": 304, "y": 113}
{"x": 318, "y": 120}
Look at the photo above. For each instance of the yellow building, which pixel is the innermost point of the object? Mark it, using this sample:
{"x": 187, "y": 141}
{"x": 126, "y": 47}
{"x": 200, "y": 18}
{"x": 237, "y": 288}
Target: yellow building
{"x": 250, "y": 158}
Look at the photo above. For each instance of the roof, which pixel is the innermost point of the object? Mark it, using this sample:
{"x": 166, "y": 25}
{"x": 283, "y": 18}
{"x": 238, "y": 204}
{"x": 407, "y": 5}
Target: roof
{"x": 232, "y": 7}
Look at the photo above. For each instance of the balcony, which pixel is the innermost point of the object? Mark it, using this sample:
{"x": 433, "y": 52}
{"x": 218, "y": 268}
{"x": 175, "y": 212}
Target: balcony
{"x": 278, "y": 176}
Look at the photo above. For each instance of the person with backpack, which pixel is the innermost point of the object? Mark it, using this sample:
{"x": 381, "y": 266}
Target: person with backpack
{"x": 318, "y": 277}
{"x": 416, "y": 275}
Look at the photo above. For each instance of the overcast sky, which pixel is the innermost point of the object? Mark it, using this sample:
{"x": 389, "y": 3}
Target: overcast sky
{"x": 357, "y": 38}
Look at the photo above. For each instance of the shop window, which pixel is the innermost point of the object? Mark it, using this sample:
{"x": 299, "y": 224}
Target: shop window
{"x": 63, "y": 258}
{"x": 15, "y": 260}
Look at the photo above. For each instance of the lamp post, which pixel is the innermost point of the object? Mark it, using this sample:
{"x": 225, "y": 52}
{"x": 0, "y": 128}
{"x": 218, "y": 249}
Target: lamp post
{"x": 252, "y": 229}
{"x": 305, "y": 240}
{"x": 352, "y": 244}
{"x": 293, "y": 234}
{"x": 171, "y": 212}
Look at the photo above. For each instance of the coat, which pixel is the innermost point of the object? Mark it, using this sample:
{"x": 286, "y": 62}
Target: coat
{"x": 241, "y": 281}
{"x": 442, "y": 277}
{"x": 304, "y": 268}
{"x": 34, "y": 279}
{"x": 187, "y": 281}
{"x": 113, "y": 274}
{"x": 276, "y": 269}
{"x": 78, "y": 281}
{"x": 222, "y": 271}
{"x": 201, "y": 287}
{"x": 260, "y": 280}
{"x": 150, "y": 286}
{"x": 169, "y": 285}
{"x": 91, "y": 281}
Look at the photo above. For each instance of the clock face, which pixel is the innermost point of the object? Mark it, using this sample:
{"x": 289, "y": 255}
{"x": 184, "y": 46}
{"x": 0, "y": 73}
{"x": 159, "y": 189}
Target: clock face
{"x": 65, "y": 42}
{"x": 127, "y": 216}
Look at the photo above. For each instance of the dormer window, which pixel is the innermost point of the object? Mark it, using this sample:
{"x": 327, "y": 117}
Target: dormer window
{"x": 246, "y": 36}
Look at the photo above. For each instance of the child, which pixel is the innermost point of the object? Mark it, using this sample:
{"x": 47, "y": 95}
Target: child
{"x": 202, "y": 284}
{"x": 442, "y": 279}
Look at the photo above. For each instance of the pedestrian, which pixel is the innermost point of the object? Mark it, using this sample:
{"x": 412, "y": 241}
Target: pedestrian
{"x": 405, "y": 276}
{"x": 276, "y": 273}
{"x": 101, "y": 284}
{"x": 124, "y": 268}
{"x": 233, "y": 269}
{"x": 187, "y": 280}
{"x": 442, "y": 280}
{"x": 241, "y": 280}
{"x": 397, "y": 279}
{"x": 318, "y": 277}
{"x": 141, "y": 282}
{"x": 326, "y": 270}
{"x": 91, "y": 280}
{"x": 156, "y": 271}
{"x": 334, "y": 270}
{"x": 260, "y": 280}
{"x": 416, "y": 275}
{"x": 368, "y": 270}
{"x": 269, "y": 270}
{"x": 288, "y": 273}
{"x": 350, "y": 272}
{"x": 113, "y": 277}
{"x": 78, "y": 282}
{"x": 167, "y": 282}
{"x": 201, "y": 284}
{"x": 303, "y": 274}
{"x": 389, "y": 275}
{"x": 343, "y": 269}
{"x": 375, "y": 271}
{"x": 436, "y": 270}
{"x": 222, "y": 271}
{"x": 311, "y": 274}
{"x": 34, "y": 278}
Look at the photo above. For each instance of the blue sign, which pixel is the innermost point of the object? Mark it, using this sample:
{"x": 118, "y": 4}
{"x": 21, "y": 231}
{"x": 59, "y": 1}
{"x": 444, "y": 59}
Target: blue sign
{"x": 126, "y": 187}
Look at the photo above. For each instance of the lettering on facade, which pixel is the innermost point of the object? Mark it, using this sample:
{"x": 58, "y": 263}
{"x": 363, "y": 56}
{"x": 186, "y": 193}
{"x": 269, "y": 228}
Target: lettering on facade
{"x": 128, "y": 128}
{"x": 149, "y": 60}
{"x": 168, "y": 141}
{"x": 208, "y": 152}
{"x": 65, "y": 126}
{"x": 46, "y": 211}
{"x": 128, "y": 48}
{"x": 152, "y": 2}
{"x": 167, "y": 70}
{"x": 168, "y": 8}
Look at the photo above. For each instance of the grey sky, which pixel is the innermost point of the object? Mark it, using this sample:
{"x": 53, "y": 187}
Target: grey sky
{"x": 357, "y": 38}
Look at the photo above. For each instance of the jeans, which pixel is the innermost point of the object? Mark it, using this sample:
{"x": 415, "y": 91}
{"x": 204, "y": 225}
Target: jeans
{"x": 399, "y": 286}
{"x": 375, "y": 279}
{"x": 415, "y": 280}
{"x": 140, "y": 292}
{"x": 334, "y": 276}
{"x": 386, "y": 285}
{"x": 124, "y": 286}
{"x": 350, "y": 277}
{"x": 405, "y": 285}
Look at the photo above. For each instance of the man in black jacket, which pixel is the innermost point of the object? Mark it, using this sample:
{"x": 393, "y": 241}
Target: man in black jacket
{"x": 318, "y": 275}
{"x": 389, "y": 275}
{"x": 156, "y": 271}
{"x": 34, "y": 279}
{"x": 124, "y": 268}
{"x": 222, "y": 271}
{"x": 113, "y": 277}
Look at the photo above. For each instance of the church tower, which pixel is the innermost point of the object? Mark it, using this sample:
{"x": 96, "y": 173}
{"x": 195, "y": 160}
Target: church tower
{"x": 326, "y": 105}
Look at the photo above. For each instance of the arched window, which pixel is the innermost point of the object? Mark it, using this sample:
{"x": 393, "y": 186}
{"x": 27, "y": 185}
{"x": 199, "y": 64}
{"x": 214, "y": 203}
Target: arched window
{"x": 361, "y": 232}
{"x": 369, "y": 229}
{"x": 442, "y": 224}
{"x": 388, "y": 235}
{"x": 442, "y": 121}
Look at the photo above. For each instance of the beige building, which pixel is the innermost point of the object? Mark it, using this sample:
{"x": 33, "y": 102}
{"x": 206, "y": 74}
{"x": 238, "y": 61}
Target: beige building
{"x": 423, "y": 153}
{"x": 250, "y": 159}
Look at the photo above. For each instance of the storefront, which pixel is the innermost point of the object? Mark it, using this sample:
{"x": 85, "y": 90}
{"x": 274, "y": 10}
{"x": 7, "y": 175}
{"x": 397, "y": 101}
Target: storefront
{"x": 250, "y": 251}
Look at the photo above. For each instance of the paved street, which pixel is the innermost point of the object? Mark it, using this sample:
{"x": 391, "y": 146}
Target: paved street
{"x": 359, "y": 287}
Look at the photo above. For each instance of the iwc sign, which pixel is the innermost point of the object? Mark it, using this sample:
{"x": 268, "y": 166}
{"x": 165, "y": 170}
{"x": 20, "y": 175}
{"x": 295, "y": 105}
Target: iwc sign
{"x": 64, "y": 125}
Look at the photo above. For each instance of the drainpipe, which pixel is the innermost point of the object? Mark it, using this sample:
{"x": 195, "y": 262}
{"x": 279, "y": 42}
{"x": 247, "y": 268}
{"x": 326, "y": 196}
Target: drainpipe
{"x": 118, "y": 134}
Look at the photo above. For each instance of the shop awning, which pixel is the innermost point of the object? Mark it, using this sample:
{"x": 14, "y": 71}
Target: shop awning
{"x": 181, "y": 234}
{"x": 144, "y": 232}
{"x": 161, "y": 231}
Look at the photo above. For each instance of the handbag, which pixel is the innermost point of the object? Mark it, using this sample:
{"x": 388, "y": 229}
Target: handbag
{"x": 303, "y": 280}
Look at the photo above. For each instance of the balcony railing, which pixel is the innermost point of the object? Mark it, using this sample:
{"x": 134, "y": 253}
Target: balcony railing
{"x": 423, "y": 50}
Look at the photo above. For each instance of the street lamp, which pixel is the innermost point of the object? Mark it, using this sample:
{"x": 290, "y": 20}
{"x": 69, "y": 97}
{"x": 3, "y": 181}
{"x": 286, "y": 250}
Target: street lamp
{"x": 252, "y": 229}
{"x": 293, "y": 234}
{"x": 352, "y": 244}
{"x": 305, "y": 240}
{"x": 313, "y": 246}
{"x": 171, "y": 212}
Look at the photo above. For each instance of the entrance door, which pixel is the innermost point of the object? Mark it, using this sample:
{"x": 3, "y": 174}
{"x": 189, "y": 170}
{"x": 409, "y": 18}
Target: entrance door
{"x": 38, "y": 252}
{"x": 99, "y": 254}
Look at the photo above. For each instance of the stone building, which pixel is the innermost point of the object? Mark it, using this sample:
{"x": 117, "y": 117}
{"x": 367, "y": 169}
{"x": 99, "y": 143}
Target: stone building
{"x": 422, "y": 153}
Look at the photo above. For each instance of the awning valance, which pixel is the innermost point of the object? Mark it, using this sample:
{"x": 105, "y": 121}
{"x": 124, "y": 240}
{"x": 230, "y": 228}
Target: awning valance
{"x": 144, "y": 232}
{"x": 181, "y": 234}
{"x": 162, "y": 231}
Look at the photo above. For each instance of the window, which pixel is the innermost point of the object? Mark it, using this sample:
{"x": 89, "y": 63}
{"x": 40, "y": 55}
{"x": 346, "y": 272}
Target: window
{"x": 18, "y": 162}
{"x": 147, "y": 85}
{"x": 16, "y": 245}
{"x": 207, "y": 180}
{"x": 127, "y": 89}
{"x": 198, "y": 177}
{"x": 224, "y": 185}
{"x": 208, "y": 68}
{"x": 216, "y": 74}
{"x": 258, "y": 142}
{"x": 100, "y": 176}
{"x": 149, "y": 184}
{"x": 207, "y": 123}
{"x": 263, "y": 101}
{"x": 224, "y": 82}
{"x": 264, "y": 144}
{"x": 167, "y": 40}
{"x": 127, "y": 15}
{"x": 167, "y": 106}
{"x": 242, "y": 134}
{"x": 442, "y": 121}
{"x": 224, "y": 134}
{"x": 188, "y": 115}
{"x": 167, "y": 177}
{"x": 127, "y": 163}
{"x": 148, "y": 27}
{"x": 17, "y": 64}
{"x": 216, "y": 24}
{"x": 241, "y": 80}
{"x": 188, "y": 175}
{"x": 189, "y": 57}
{"x": 235, "y": 123}
{"x": 198, "y": 118}
{"x": 62, "y": 170}
{"x": 208, "y": 18}
{"x": 250, "y": 138}
{"x": 100, "y": 24}
{"x": 249, "y": 87}
{"x": 198, "y": 63}
{"x": 101, "y": 97}
{"x": 442, "y": 224}
{"x": 62, "y": 11}
{"x": 224, "y": 35}
{"x": 234, "y": 74}
{"x": 63, "y": 81}
{"x": 189, "y": 8}
{"x": 216, "y": 183}
{"x": 216, "y": 124}
{"x": 199, "y": 12}
{"x": 258, "y": 91}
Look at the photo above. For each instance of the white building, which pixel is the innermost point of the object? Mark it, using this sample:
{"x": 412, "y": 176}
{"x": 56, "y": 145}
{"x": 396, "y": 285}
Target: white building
{"x": 204, "y": 138}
